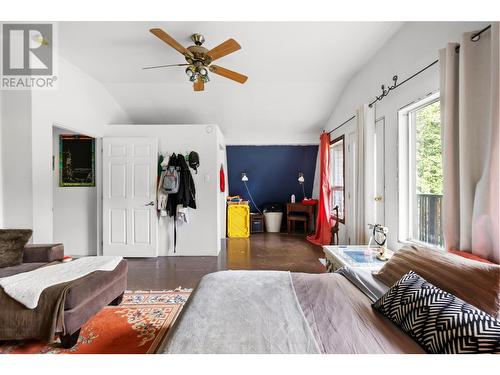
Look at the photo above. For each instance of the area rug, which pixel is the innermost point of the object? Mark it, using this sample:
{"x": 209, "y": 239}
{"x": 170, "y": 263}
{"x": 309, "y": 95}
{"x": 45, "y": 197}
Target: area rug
{"x": 137, "y": 326}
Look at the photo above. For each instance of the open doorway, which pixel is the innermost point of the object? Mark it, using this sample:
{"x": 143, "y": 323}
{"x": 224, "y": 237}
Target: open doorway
{"x": 74, "y": 192}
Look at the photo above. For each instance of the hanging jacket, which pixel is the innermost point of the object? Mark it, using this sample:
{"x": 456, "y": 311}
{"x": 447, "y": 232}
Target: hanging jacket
{"x": 186, "y": 194}
{"x": 187, "y": 190}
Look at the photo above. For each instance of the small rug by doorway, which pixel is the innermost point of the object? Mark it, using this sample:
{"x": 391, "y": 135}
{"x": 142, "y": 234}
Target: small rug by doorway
{"x": 137, "y": 326}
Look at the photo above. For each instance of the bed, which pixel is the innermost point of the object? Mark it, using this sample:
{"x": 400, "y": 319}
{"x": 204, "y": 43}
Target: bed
{"x": 258, "y": 312}
{"x": 281, "y": 312}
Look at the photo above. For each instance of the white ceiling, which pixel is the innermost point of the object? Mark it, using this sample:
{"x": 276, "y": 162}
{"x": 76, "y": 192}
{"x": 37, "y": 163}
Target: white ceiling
{"x": 296, "y": 72}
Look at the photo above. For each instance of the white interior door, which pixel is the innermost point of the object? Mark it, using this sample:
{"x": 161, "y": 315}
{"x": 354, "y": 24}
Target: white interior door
{"x": 129, "y": 196}
{"x": 380, "y": 171}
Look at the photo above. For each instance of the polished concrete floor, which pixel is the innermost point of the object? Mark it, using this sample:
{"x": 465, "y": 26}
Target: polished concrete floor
{"x": 263, "y": 251}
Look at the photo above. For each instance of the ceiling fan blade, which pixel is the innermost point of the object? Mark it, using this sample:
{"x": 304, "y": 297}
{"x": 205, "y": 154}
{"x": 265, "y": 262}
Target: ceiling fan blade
{"x": 228, "y": 73}
{"x": 170, "y": 41}
{"x": 163, "y": 66}
{"x": 199, "y": 85}
{"x": 223, "y": 49}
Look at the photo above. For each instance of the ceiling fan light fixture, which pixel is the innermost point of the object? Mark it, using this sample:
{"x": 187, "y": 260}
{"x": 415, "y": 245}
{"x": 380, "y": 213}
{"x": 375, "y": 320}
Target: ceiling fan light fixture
{"x": 203, "y": 71}
{"x": 199, "y": 58}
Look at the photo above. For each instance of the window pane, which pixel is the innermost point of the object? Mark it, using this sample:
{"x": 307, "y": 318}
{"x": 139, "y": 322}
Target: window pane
{"x": 429, "y": 175}
{"x": 337, "y": 176}
{"x": 338, "y": 160}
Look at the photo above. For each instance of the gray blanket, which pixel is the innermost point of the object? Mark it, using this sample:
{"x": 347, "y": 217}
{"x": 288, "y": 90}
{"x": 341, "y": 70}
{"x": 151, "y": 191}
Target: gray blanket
{"x": 242, "y": 312}
{"x": 278, "y": 312}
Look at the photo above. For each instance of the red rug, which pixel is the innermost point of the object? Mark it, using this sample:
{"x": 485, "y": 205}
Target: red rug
{"x": 137, "y": 326}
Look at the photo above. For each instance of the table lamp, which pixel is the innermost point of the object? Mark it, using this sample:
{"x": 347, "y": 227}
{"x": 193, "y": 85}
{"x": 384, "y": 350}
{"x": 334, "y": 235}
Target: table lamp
{"x": 244, "y": 179}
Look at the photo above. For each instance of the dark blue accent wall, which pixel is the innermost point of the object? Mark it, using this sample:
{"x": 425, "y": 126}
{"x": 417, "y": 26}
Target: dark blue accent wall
{"x": 272, "y": 172}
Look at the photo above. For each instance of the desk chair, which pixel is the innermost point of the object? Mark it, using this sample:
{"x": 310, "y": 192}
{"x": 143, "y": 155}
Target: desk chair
{"x": 293, "y": 218}
{"x": 335, "y": 227}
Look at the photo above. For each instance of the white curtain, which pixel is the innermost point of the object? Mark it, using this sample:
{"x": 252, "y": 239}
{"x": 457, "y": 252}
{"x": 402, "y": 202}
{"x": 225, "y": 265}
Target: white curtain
{"x": 469, "y": 79}
{"x": 365, "y": 129}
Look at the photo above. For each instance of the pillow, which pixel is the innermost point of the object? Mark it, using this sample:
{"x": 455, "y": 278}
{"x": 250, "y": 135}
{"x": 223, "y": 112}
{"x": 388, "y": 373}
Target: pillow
{"x": 440, "y": 322}
{"x": 467, "y": 255}
{"x": 474, "y": 282}
{"x": 12, "y": 243}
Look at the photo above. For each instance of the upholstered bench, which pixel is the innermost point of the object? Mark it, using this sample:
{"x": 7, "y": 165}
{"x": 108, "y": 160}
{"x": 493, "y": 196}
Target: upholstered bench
{"x": 85, "y": 297}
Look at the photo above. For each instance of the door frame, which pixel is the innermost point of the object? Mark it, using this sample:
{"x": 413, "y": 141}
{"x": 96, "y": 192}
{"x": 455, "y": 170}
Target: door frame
{"x": 98, "y": 180}
{"x": 98, "y": 185}
{"x": 382, "y": 118}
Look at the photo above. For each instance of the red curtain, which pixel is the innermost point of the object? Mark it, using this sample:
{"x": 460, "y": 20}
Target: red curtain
{"x": 323, "y": 233}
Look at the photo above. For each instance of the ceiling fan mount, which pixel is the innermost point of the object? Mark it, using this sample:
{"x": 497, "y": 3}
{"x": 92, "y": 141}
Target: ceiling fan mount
{"x": 198, "y": 39}
{"x": 199, "y": 58}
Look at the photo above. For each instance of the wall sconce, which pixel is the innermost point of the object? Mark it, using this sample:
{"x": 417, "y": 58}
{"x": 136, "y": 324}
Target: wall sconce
{"x": 244, "y": 177}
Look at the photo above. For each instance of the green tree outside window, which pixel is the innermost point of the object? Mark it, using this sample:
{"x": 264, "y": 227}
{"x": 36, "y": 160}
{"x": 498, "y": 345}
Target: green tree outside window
{"x": 429, "y": 161}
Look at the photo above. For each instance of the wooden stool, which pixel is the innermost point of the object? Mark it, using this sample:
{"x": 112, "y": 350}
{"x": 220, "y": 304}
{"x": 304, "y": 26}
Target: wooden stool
{"x": 291, "y": 219}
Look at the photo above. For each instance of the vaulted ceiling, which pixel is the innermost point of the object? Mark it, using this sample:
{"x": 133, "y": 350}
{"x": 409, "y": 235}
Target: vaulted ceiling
{"x": 296, "y": 72}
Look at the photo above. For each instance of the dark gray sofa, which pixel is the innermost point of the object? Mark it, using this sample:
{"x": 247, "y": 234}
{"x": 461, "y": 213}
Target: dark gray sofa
{"x": 85, "y": 297}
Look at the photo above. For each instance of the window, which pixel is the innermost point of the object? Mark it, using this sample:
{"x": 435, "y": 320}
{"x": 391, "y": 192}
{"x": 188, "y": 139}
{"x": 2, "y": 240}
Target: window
{"x": 421, "y": 172}
{"x": 337, "y": 176}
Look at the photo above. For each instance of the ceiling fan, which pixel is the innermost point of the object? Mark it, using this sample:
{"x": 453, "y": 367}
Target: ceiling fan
{"x": 199, "y": 59}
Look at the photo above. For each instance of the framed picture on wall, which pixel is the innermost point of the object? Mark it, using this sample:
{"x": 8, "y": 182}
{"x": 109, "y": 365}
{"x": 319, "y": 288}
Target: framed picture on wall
{"x": 76, "y": 160}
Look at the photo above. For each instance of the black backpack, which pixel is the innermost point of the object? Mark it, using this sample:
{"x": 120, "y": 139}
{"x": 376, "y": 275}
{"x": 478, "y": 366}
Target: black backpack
{"x": 194, "y": 160}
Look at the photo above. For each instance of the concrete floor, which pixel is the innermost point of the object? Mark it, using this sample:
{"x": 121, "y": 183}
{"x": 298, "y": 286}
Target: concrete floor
{"x": 262, "y": 251}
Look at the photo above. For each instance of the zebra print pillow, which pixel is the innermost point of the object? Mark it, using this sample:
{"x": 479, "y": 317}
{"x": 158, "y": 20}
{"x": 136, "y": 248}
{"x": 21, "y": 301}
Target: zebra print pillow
{"x": 440, "y": 322}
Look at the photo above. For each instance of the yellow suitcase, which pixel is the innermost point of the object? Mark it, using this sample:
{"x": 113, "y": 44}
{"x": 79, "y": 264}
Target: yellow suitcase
{"x": 238, "y": 220}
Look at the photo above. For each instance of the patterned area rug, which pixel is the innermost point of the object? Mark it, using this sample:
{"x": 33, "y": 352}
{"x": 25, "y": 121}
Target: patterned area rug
{"x": 137, "y": 326}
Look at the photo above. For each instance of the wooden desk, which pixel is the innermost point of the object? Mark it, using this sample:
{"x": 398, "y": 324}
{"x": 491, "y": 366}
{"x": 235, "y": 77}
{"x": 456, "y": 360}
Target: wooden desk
{"x": 309, "y": 209}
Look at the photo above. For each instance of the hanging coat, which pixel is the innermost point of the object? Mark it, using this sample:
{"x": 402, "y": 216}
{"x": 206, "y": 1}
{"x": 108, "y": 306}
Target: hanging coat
{"x": 186, "y": 196}
{"x": 187, "y": 190}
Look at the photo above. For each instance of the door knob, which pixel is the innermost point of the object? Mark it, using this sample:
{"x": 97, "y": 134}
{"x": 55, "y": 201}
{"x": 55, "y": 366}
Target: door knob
{"x": 152, "y": 203}
{"x": 378, "y": 198}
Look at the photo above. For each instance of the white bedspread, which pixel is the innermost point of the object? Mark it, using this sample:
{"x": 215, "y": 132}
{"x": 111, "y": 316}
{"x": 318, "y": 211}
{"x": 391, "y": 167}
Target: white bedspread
{"x": 27, "y": 287}
{"x": 243, "y": 312}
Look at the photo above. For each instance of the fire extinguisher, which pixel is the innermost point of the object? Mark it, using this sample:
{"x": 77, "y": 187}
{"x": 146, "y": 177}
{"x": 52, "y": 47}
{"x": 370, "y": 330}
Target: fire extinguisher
{"x": 222, "y": 178}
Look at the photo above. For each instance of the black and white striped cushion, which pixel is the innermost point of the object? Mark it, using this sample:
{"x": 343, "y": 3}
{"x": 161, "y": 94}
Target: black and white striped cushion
{"x": 437, "y": 320}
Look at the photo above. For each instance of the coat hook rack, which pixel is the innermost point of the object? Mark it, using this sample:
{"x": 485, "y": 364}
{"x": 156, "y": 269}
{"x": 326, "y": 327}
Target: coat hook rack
{"x": 386, "y": 91}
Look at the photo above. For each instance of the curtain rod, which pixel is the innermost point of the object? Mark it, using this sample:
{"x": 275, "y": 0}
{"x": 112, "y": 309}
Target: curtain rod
{"x": 385, "y": 91}
{"x": 345, "y": 122}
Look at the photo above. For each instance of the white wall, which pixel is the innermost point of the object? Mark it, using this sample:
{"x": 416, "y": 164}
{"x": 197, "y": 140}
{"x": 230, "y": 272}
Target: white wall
{"x": 17, "y": 159}
{"x": 202, "y": 235}
{"x": 81, "y": 104}
{"x": 414, "y": 46}
{"x": 1, "y": 166}
{"x": 75, "y": 210}
{"x": 221, "y": 196}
